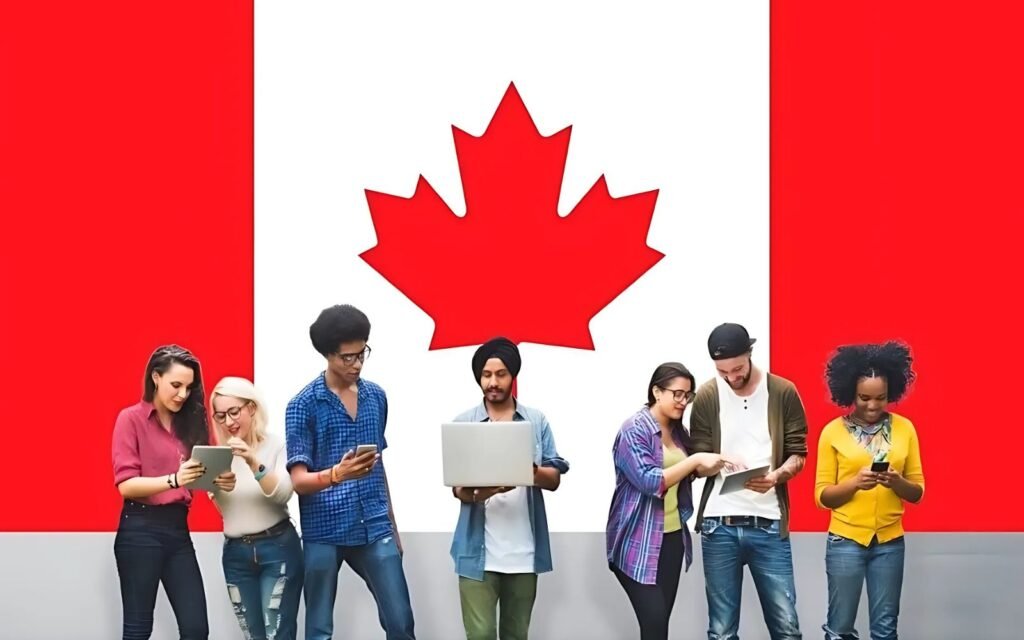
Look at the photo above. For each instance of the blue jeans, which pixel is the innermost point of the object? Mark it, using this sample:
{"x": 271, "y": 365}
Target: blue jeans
{"x": 153, "y": 547}
{"x": 848, "y": 564}
{"x": 379, "y": 564}
{"x": 264, "y": 581}
{"x": 725, "y": 549}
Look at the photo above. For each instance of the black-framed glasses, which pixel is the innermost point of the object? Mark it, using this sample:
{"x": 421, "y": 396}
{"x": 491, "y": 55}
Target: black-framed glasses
{"x": 349, "y": 358}
{"x": 220, "y": 417}
{"x": 679, "y": 395}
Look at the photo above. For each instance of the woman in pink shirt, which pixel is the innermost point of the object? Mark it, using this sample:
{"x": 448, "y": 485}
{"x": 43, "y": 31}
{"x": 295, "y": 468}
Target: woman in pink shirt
{"x": 152, "y": 442}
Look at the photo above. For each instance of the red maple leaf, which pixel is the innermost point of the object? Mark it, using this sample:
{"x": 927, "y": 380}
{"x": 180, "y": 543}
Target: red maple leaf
{"x": 511, "y": 266}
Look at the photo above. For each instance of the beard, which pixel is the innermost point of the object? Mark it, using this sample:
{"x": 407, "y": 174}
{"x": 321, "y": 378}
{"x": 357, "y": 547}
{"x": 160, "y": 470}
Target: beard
{"x": 497, "y": 394}
{"x": 742, "y": 382}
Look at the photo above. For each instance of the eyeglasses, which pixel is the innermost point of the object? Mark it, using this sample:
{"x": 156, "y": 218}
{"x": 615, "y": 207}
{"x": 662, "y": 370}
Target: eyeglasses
{"x": 220, "y": 417}
{"x": 680, "y": 394}
{"x": 349, "y": 358}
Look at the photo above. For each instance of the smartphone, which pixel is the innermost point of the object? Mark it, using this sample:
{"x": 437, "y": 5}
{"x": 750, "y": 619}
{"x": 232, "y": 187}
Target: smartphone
{"x": 366, "y": 448}
{"x": 880, "y": 467}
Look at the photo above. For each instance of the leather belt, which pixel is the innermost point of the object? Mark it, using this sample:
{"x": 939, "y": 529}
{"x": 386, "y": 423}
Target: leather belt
{"x": 745, "y": 521}
{"x": 273, "y": 531}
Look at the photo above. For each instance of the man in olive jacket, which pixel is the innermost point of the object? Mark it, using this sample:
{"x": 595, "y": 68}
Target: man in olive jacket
{"x": 756, "y": 418}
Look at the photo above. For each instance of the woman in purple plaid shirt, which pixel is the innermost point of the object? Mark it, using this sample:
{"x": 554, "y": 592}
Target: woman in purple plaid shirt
{"x": 647, "y": 539}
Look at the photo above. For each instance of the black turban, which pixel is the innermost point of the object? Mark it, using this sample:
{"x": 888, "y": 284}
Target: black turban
{"x": 501, "y": 348}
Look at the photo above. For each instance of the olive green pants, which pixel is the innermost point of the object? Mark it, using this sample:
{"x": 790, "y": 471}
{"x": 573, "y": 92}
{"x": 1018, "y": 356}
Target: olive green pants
{"x": 513, "y": 593}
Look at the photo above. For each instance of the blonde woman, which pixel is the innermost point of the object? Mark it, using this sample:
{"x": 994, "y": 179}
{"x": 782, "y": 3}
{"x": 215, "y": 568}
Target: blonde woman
{"x": 262, "y": 557}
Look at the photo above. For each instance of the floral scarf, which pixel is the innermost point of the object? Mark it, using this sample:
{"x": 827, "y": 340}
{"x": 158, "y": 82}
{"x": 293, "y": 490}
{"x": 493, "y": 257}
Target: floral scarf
{"x": 875, "y": 438}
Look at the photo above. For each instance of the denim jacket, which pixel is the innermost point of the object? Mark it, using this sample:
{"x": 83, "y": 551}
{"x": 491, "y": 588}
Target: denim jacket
{"x": 468, "y": 549}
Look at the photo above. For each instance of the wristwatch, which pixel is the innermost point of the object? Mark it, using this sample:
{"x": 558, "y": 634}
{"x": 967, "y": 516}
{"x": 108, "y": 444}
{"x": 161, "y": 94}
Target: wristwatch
{"x": 262, "y": 471}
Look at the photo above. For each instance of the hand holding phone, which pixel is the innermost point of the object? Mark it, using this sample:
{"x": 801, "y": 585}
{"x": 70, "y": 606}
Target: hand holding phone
{"x": 866, "y": 479}
{"x": 880, "y": 467}
{"x": 355, "y": 464}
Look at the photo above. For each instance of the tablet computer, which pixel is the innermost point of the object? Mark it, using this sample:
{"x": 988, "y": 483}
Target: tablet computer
{"x": 733, "y": 482}
{"x": 217, "y": 460}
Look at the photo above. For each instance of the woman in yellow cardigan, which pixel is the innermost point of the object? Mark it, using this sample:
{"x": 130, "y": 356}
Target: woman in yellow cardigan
{"x": 869, "y": 464}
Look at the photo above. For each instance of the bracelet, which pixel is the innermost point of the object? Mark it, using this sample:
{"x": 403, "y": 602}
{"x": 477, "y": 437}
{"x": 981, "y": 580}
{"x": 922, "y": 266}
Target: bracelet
{"x": 174, "y": 476}
{"x": 170, "y": 483}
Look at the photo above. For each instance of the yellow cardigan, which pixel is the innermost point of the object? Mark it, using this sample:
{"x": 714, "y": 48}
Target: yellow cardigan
{"x": 877, "y": 511}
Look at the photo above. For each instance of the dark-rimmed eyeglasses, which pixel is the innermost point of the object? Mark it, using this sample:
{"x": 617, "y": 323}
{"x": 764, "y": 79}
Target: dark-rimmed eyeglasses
{"x": 679, "y": 395}
{"x": 349, "y": 358}
{"x": 220, "y": 417}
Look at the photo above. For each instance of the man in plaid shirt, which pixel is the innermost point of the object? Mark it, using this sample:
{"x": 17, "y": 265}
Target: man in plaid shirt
{"x": 344, "y": 500}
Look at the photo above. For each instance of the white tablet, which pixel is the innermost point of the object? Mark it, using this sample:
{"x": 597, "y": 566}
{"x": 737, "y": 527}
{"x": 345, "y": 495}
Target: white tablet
{"x": 733, "y": 482}
{"x": 217, "y": 460}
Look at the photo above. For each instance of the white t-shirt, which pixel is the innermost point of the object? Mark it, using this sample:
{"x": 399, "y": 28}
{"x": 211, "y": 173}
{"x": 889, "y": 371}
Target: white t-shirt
{"x": 247, "y": 509}
{"x": 745, "y": 435}
{"x": 508, "y": 538}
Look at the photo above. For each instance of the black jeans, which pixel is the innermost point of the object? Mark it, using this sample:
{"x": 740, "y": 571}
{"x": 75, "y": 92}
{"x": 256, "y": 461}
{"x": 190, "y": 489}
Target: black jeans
{"x": 653, "y": 603}
{"x": 153, "y": 546}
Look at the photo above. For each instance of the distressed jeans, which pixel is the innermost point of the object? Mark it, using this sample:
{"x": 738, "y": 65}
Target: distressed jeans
{"x": 725, "y": 549}
{"x": 264, "y": 581}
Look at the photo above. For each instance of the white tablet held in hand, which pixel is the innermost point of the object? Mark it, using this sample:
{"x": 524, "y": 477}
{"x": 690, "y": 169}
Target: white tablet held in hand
{"x": 217, "y": 460}
{"x": 733, "y": 482}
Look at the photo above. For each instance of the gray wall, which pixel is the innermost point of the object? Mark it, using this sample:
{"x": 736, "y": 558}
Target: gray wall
{"x": 957, "y": 586}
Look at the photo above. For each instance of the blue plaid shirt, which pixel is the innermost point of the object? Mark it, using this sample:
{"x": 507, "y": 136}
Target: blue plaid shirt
{"x": 319, "y": 431}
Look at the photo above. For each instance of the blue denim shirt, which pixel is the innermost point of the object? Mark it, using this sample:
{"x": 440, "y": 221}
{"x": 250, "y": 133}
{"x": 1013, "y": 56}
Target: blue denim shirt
{"x": 468, "y": 549}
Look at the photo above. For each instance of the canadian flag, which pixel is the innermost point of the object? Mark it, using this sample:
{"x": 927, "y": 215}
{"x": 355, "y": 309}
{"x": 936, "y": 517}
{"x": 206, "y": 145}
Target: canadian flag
{"x": 145, "y": 203}
{"x": 530, "y": 173}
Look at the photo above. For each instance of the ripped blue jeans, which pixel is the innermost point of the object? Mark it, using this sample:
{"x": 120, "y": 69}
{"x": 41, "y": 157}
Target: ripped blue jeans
{"x": 264, "y": 580}
{"x": 379, "y": 564}
{"x": 725, "y": 549}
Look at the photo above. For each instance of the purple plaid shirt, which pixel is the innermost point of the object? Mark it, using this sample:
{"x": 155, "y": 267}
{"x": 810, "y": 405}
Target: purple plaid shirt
{"x": 636, "y": 520}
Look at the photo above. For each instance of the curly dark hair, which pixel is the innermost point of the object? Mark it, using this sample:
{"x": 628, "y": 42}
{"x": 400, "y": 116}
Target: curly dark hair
{"x": 189, "y": 423}
{"x": 338, "y": 324}
{"x": 852, "y": 362}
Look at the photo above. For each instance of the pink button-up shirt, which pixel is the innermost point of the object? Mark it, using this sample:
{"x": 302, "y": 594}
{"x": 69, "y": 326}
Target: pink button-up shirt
{"x": 143, "y": 448}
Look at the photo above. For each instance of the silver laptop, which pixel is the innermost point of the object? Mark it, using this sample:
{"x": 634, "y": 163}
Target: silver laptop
{"x": 487, "y": 454}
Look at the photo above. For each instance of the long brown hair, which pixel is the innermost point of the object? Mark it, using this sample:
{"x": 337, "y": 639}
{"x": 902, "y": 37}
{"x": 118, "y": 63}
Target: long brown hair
{"x": 189, "y": 423}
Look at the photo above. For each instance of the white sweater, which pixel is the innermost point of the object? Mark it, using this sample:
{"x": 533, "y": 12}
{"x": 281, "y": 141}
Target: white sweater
{"x": 248, "y": 509}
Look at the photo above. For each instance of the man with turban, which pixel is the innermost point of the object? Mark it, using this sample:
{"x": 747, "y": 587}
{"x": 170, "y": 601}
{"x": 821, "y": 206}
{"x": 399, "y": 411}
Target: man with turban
{"x": 501, "y": 541}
